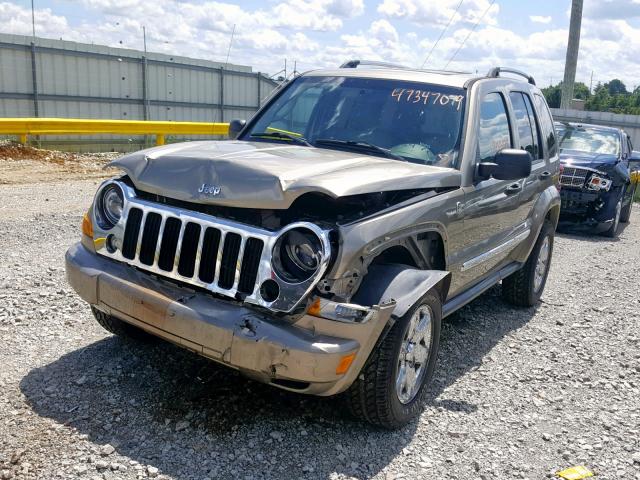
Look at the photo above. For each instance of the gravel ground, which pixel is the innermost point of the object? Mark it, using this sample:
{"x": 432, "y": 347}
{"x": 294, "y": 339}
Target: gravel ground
{"x": 517, "y": 394}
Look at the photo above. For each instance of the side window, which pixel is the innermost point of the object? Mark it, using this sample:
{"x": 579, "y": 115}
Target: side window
{"x": 546, "y": 121}
{"x": 494, "y": 134}
{"x": 630, "y": 145}
{"x": 525, "y": 133}
{"x": 534, "y": 128}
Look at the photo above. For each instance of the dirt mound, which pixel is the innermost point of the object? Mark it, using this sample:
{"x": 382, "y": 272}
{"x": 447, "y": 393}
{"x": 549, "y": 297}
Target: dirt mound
{"x": 26, "y": 164}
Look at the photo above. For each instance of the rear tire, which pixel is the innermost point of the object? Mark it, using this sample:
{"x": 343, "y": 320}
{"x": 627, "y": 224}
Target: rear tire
{"x": 524, "y": 287}
{"x": 122, "y": 329}
{"x": 378, "y": 395}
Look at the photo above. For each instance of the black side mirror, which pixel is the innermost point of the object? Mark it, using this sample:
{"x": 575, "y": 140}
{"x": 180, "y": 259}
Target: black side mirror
{"x": 235, "y": 127}
{"x": 508, "y": 164}
{"x": 634, "y": 160}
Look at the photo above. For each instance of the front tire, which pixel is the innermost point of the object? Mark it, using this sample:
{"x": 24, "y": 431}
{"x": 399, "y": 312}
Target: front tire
{"x": 613, "y": 231}
{"x": 524, "y": 287}
{"x": 625, "y": 216}
{"x": 390, "y": 390}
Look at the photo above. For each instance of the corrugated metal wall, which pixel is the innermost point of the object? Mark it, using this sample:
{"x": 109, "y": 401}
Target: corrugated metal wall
{"x": 56, "y": 78}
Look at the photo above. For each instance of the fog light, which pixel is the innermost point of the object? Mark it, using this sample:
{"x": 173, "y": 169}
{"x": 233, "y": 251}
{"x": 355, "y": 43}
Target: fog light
{"x": 269, "y": 290}
{"x": 112, "y": 243}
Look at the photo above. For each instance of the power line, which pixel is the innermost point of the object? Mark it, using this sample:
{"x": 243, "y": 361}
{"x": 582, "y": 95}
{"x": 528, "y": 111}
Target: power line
{"x": 230, "y": 42}
{"x": 441, "y": 34}
{"x": 473, "y": 29}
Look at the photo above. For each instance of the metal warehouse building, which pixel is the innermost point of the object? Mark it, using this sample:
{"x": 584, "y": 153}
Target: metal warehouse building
{"x": 56, "y": 78}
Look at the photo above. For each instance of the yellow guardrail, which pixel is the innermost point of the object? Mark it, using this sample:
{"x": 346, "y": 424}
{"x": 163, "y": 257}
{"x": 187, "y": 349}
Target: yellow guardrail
{"x": 23, "y": 127}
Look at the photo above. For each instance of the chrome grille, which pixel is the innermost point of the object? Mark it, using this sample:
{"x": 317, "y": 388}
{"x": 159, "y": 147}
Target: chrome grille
{"x": 573, "y": 177}
{"x": 223, "y": 256}
{"x": 170, "y": 245}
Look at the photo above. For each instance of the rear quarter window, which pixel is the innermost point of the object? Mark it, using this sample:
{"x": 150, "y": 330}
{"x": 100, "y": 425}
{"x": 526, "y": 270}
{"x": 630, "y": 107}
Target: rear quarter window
{"x": 546, "y": 123}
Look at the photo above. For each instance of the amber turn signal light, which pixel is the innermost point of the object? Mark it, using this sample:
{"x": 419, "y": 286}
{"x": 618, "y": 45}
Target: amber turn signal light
{"x": 87, "y": 226}
{"x": 314, "y": 308}
{"x": 345, "y": 363}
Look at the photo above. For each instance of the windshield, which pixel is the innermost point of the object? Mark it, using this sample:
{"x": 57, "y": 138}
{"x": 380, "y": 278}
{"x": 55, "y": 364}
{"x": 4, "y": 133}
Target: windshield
{"x": 590, "y": 140}
{"x": 411, "y": 121}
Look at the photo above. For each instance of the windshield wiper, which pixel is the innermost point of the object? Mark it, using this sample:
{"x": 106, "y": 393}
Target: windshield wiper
{"x": 282, "y": 136}
{"x": 359, "y": 146}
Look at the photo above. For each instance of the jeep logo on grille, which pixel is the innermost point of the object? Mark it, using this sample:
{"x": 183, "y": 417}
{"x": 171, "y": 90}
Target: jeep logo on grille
{"x": 209, "y": 190}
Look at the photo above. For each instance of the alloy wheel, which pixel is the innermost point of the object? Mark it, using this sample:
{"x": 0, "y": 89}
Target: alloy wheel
{"x": 414, "y": 354}
{"x": 542, "y": 264}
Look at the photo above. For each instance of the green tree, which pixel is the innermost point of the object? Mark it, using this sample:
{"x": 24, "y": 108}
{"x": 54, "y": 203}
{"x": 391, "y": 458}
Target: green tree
{"x": 553, "y": 93}
{"x": 616, "y": 87}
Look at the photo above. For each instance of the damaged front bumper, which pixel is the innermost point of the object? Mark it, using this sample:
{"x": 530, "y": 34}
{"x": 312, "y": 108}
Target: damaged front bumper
{"x": 305, "y": 355}
{"x": 586, "y": 210}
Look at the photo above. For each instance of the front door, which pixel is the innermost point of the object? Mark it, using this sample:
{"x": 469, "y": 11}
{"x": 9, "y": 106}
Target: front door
{"x": 493, "y": 220}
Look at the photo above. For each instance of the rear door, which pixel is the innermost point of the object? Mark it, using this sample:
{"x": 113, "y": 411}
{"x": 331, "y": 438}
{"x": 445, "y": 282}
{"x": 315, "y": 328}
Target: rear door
{"x": 530, "y": 139}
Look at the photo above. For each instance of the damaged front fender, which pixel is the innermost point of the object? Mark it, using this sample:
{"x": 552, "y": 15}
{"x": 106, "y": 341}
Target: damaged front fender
{"x": 400, "y": 283}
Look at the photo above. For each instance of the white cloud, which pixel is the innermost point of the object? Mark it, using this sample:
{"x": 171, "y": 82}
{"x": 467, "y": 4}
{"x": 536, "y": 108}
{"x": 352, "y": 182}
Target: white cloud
{"x": 17, "y": 20}
{"x": 384, "y": 32}
{"x": 315, "y": 34}
{"x": 424, "y": 12}
{"x": 540, "y": 19}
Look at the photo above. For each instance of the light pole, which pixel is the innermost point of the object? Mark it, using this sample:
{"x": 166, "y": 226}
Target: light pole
{"x": 573, "y": 47}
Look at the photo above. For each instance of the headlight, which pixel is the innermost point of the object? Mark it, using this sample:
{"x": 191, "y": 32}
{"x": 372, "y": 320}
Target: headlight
{"x": 109, "y": 206}
{"x": 598, "y": 182}
{"x": 297, "y": 255}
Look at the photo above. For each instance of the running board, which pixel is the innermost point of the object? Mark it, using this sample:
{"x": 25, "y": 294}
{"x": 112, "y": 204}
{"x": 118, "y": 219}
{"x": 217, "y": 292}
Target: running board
{"x": 478, "y": 289}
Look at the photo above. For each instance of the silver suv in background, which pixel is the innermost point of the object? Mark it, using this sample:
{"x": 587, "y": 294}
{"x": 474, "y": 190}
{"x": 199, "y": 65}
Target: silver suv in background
{"x": 319, "y": 250}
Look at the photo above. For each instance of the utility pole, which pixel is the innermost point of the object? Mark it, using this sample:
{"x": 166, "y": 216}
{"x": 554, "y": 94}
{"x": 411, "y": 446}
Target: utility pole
{"x": 572, "y": 54}
{"x": 33, "y": 19}
{"x": 591, "y": 83}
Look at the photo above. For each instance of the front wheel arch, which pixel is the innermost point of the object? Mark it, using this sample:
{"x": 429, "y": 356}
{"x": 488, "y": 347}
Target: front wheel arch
{"x": 401, "y": 283}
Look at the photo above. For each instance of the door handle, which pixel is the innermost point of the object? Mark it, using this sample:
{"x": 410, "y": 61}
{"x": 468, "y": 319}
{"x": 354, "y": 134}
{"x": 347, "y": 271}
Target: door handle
{"x": 513, "y": 188}
{"x": 544, "y": 175}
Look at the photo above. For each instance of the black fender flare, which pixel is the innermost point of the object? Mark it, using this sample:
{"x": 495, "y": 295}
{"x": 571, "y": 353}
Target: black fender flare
{"x": 401, "y": 283}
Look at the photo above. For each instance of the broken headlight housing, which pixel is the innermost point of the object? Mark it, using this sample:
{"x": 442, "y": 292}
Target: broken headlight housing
{"x": 297, "y": 255}
{"x": 599, "y": 181}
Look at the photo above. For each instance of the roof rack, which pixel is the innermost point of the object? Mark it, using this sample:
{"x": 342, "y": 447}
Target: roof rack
{"x": 373, "y": 63}
{"x": 444, "y": 72}
{"x": 495, "y": 73}
{"x": 356, "y": 63}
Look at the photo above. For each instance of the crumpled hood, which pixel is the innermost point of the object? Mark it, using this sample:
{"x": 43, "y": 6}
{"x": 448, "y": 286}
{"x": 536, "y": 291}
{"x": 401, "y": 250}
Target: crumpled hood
{"x": 597, "y": 161}
{"x": 269, "y": 175}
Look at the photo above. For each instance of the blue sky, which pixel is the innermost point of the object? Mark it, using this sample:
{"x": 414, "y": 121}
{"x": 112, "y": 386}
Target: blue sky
{"x": 323, "y": 33}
